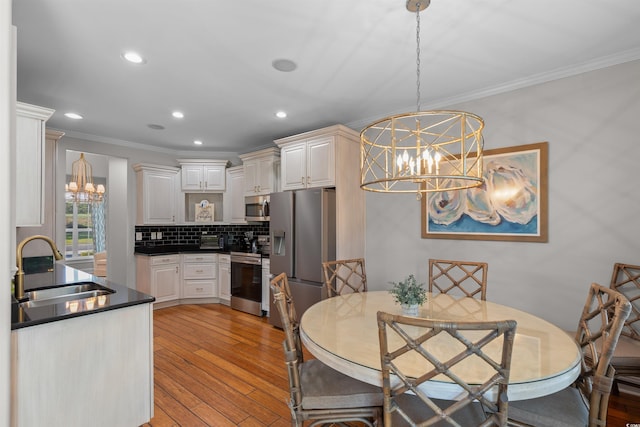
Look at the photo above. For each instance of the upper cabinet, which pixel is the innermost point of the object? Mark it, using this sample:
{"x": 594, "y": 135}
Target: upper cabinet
{"x": 30, "y": 152}
{"x": 311, "y": 159}
{"x": 308, "y": 163}
{"x": 234, "y": 196}
{"x": 156, "y": 197}
{"x": 203, "y": 175}
{"x": 261, "y": 171}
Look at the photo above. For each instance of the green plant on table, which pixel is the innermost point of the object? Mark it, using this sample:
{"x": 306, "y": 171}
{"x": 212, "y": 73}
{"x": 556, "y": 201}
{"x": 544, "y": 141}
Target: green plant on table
{"x": 409, "y": 292}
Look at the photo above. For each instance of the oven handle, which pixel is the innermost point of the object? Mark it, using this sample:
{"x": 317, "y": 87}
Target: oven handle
{"x": 247, "y": 260}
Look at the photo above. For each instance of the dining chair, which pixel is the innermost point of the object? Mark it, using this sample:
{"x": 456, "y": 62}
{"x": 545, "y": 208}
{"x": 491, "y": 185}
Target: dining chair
{"x": 407, "y": 363}
{"x": 468, "y": 278}
{"x": 318, "y": 392}
{"x": 626, "y": 358}
{"x": 585, "y": 402}
{"x": 344, "y": 276}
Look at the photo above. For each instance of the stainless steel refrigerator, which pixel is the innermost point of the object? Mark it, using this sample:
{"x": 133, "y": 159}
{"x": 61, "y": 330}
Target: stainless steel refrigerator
{"x": 303, "y": 235}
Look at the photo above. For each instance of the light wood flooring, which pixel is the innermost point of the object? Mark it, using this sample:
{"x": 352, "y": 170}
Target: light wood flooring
{"x": 215, "y": 366}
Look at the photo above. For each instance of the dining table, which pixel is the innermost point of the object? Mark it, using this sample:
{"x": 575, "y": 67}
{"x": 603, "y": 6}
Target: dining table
{"x": 342, "y": 332}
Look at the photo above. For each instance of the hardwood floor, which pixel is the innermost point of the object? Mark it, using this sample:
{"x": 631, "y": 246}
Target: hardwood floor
{"x": 219, "y": 367}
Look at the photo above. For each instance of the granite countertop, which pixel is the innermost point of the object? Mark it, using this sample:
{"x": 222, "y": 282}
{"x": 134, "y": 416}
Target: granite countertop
{"x": 62, "y": 275}
{"x": 175, "y": 249}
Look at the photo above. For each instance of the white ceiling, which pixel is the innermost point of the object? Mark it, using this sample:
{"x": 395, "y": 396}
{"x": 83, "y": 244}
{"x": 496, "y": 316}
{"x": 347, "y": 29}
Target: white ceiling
{"x": 356, "y": 61}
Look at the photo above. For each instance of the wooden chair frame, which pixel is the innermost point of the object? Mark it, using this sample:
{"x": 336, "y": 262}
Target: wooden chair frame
{"x": 492, "y": 394}
{"x": 626, "y": 280}
{"x": 294, "y": 359}
{"x": 342, "y": 276}
{"x": 468, "y": 277}
{"x": 607, "y": 309}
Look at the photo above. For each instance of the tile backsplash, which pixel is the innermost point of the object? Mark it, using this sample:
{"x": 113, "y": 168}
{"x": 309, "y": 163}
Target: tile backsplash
{"x": 190, "y": 234}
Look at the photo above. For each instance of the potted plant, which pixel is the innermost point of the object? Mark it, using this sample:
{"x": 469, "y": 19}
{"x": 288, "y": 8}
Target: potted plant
{"x": 409, "y": 294}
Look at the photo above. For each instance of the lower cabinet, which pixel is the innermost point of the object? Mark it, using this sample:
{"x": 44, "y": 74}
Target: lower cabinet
{"x": 159, "y": 276}
{"x": 94, "y": 370}
{"x": 199, "y": 275}
{"x": 266, "y": 282}
{"x": 224, "y": 278}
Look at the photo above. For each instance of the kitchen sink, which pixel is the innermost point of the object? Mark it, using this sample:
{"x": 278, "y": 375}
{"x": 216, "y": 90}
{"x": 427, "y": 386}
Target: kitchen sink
{"x": 58, "y": 294}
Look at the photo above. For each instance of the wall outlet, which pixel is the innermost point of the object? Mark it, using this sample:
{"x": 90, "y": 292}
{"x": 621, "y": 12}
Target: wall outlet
{"x": 154, "y": 235}
{"x": 159, "y": 235}
{"x": 138, "y": 236}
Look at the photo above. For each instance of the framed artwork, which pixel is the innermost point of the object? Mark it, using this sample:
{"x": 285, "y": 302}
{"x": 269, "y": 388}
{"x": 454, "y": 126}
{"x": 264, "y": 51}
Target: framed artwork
{"x": 511, "y": 205}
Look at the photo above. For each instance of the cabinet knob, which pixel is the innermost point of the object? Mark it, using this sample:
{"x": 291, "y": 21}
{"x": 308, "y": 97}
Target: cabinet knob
{"x": 198, "y": 271}
{"x": 302, "y": 180}
{"x": 176, "y": 268}
{"x": 308, "y": 180}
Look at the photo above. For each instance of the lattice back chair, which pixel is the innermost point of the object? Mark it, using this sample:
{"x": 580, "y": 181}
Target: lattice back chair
{"x": 317, "y": 392}
{"x": 468, "y": 278}
{"x": 344, "y": 276}
{"x": 407, "y": 363}
{"x": 626, "y": 358}
{"x": 584, "y": 403}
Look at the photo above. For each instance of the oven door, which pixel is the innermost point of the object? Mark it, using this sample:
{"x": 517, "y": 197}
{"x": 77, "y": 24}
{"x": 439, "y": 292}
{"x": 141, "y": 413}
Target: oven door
{"x": 246, "y": 284}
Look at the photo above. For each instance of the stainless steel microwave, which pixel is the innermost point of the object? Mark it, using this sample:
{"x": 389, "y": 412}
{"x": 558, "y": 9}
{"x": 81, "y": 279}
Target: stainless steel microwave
{"x": 256, "y": 208}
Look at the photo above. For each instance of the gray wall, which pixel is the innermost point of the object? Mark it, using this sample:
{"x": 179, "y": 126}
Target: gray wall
{"x": 591, "y": 122}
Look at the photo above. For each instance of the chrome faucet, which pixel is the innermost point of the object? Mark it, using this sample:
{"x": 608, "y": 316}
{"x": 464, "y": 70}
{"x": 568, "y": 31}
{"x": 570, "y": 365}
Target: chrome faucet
{"x": 19, "y": 278}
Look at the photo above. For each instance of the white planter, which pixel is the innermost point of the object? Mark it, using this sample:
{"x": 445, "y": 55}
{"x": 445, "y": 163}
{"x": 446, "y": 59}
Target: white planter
{"x": 410, "y": 309}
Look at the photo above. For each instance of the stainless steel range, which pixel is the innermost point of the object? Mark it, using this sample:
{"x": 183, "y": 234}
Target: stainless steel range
{"x": 246, "y": 282}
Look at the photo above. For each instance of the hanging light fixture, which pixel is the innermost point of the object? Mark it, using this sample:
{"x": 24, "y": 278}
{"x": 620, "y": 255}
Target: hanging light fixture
{"x": 423, "y": 151}
{"x": 81, "y": 185}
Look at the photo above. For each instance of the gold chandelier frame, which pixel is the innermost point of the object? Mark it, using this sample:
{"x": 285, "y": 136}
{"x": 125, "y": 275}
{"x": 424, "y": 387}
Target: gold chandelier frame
{"x": 423, "y": 151}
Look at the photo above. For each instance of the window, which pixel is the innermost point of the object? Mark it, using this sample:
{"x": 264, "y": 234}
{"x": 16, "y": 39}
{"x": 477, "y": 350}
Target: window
{"x": 85, "y": 228}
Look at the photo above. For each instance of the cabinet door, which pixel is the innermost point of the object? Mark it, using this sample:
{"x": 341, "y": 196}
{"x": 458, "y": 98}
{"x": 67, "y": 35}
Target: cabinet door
{"x": 237, "y": 198}
{"x": 251, "y": 177}
{"x": 293, "y": 166}
{"x": 214, "y": 178}
{"x": 224, "y": 277}
{"x": 265, "y": 176}
{"x": 321, "y": 165}
{"x": 266, "y": 280}
{"x": 165, "y": 282}
{"x": 159, "y": 198}
{"x": 29, "y": 161}
{"x": 192, "y": 178}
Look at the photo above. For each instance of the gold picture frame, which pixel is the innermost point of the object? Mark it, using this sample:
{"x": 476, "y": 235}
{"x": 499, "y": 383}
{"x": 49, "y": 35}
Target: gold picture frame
{"x": 511, "y": 205}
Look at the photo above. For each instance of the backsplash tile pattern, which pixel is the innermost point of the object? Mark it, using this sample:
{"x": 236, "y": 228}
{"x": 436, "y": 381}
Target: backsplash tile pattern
{"x": 190, "y": 234}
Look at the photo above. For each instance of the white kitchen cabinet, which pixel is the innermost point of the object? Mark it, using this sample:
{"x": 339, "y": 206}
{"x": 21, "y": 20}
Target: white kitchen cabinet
{"x": 30, "y": 153}
{"x": 157, "y": 194}
{"x": 308, "y": 164}
{"x": 224, "y": 278}
{"x": 200, "y": 275}
{"x": 266, "y": 283}
{"x": 201, "y": 175}
{"x": 234, "y": 196}
{"x": 261, "y": 171}
{"x": 94, "y": 370}
{"x": 159, "y": 276}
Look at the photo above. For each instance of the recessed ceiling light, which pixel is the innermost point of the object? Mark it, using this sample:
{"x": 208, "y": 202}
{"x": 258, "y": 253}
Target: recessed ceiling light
{"x": 133, "y": 57}
{"x": 177, "y": 114}
{"x": 74, "y": 116}
{"x": 197, "y": 142}
{"x": 284, "y": 65}
{"x": 281, "y": 114}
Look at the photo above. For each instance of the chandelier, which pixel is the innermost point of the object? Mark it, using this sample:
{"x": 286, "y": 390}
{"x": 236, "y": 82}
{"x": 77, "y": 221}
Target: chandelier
{"x": 422, "y": 151}
{"x": 81, "y": 185}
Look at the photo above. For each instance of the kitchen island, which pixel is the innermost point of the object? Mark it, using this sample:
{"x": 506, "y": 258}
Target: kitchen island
{"x": 83, "y": 362}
